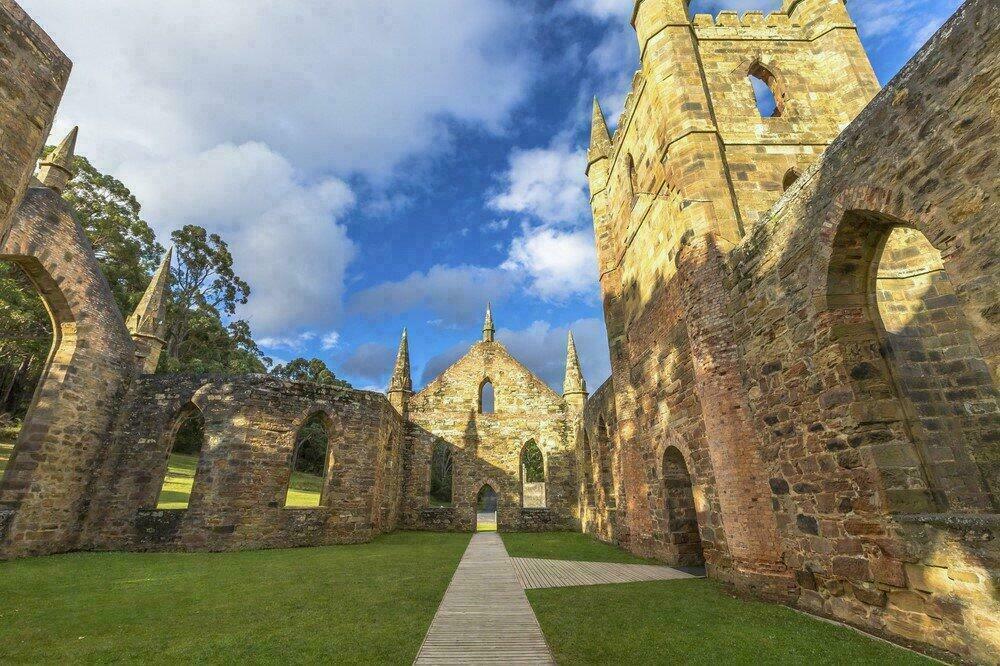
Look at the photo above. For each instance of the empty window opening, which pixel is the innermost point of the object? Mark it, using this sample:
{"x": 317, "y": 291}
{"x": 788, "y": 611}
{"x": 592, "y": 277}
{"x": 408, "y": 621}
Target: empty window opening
{"x": 791, "y": 176}
{"x": 442, "y": 475}
{"x": 920, "y": 349}
{"x": 605, "y": 454}
{"x": 680, "y": 511}
{"x": 310, "y": 461}
{"x": 633, "y": 189}
{"x": 26, "y": 340}
{"x": 588, "y": 471}
{"x": 770, "y": 101}
{"x": 532, "y": 476}
{"x": 487, "y": 512}
{"x": 182, "y": 461}
{"x": 487, "y": 401}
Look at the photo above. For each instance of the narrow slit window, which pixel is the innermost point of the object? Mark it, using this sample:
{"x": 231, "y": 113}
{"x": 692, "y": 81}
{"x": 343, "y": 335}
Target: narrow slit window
{"x": 442, "y": 475}
{"x": 487, "y": 399}
{"x": 791, "y": 176}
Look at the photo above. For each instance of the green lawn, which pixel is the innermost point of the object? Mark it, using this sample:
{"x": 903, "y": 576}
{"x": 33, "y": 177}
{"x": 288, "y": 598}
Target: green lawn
{"x": 369, "y": 603}
{"x": 680, "y": 621}
{"x": 304, "y": 490}
{"x": 566, "y": 546}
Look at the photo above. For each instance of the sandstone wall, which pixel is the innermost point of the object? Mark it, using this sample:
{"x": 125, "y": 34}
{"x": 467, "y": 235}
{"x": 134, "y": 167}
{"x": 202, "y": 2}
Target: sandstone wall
{"x": 486, "y": 448}
{"x": 33, "y": 75}
{"x": 237, "y": 501}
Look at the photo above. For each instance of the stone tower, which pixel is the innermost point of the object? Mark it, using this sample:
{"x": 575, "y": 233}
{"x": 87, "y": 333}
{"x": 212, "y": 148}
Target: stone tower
{"x": 692, "y": 167}
{"x": 148, "y": 324}
{"x": 401, "y": 384}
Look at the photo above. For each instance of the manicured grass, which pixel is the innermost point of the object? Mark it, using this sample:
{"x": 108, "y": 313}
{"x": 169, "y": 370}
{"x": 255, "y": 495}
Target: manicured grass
{"x": 304, "y": 490}
{"x": 566, "y": 546}
{"x": 370, "y": 603}
{"x": 694, "y": 622}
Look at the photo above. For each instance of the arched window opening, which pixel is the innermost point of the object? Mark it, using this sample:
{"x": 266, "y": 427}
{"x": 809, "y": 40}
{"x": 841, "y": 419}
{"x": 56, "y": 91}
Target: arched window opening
{"x": 487, "y": 511}
{"x": 680, "y": 512}
{"x": 182, "y": 461}
{"x": 26, "y": 342}
{"x": 487, "y": 401}
{"x": 310, "y": 461}
{"x": 770, "y": 100}
{"x": 588, "y": 470}
{"x": 791, "y": 176}
{"x": 442, "y": 475}
{"x": 532, "y": 476}
{"x": 633, "y": 189}
{"x": 605, "y": 454}
{"x": 933, "y": 451}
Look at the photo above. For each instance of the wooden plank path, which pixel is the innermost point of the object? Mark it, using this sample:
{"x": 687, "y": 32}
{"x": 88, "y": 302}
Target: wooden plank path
{"x": 537, "y": 573}
{"x": 485, "y": 617}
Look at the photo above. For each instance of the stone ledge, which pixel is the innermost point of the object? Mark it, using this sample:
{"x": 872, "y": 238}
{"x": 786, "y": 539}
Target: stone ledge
{"x": 961, "y": 521}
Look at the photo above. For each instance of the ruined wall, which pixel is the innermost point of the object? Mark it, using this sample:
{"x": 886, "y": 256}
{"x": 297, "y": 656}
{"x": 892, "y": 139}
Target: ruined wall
{"x": 486, "y": 448}
{"x": 33, "y": 75}
{"x": 245, "y": 464}
{"x": 856, "y": 350}
{"x": 48, "y": 484}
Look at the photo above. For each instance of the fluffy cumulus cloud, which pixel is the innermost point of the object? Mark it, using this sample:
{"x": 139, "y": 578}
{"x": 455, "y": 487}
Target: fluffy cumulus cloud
{"x": 542, "y": 349}
{"x": 455, "y": 294}
{"x": 248, "y": 116}
{"x": 556, "y": 264}
{"x": 370, "y": 361}
{"x": 284, "y": 232}
{"x": 547, "y": 183}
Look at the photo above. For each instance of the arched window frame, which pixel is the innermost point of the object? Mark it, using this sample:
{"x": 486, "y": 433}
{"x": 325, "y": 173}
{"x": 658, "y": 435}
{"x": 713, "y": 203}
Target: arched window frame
{"x": 441, "y": 445}
{"x": 188, "y": 411}
{"x": 328, "y": 427}
{"x": 525, "y": 448}
{"x": 481, "y": 404}
{"x": 767, "y": 73}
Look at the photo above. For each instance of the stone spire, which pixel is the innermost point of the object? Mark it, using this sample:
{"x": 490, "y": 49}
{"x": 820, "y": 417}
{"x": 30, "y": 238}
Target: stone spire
{"x": 401, "y": 386}
{"x": 488, "y": 328}
{"x": 57, "y": 169}
{"x": 574, "y": 382}
{"x": 401, "y": 373}
{"x": 600, "y": 138}
{"x": 148, "y": 324}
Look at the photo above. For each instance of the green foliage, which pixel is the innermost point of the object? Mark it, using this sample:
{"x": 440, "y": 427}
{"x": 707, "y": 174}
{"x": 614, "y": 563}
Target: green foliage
{"x": 442, "y": 475}
{"x": 302, "y": 370}
{"x": 190, "y": 435}
{"x": 311, "y": 443}
{"x": 25, "y": 339}
{"x": 204, "y": 288}
{"x": 533, "y": 463}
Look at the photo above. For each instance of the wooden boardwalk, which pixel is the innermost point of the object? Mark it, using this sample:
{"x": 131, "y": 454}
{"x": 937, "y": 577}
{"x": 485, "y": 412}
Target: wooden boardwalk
{"x": 536, "y": 573}
{"x": 485, "y": 617}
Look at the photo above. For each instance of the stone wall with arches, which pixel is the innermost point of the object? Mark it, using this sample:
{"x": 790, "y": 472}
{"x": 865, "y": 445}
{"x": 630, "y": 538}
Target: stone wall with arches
{"x": 487, "y": 447}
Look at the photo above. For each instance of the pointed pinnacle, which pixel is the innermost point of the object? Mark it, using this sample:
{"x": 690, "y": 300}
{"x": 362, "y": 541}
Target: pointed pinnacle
{"x": 57, "y": 168}
{"x": 149, "y": 317}
{"x": 401, "y": 380}
{"x": 600, "y": 138}
{"x": 574, "y": 381}
{"x": 488, "y": 329}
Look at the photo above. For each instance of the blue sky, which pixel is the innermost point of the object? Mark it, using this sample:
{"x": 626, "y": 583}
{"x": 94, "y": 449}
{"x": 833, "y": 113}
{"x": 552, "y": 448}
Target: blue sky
{"x": 383, "y": 163}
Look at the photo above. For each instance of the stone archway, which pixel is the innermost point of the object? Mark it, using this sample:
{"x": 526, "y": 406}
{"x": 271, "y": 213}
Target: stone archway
{"x": 680, "y": 511}
{"x": 487, "y": 509}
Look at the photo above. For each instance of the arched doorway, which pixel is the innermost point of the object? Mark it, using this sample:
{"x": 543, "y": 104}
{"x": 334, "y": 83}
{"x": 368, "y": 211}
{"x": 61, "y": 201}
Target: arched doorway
{"x": 310, "y": 462}
{"x": 187, "y": 439}
{"x": 487, "y": 514}
{"x": 680, "y": 513}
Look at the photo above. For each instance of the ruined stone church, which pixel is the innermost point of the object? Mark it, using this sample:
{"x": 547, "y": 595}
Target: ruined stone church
{"x": 803, "y": 315}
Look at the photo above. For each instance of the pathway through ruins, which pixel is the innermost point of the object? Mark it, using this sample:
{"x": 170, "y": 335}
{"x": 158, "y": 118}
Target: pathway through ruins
{"x": 485, "y": 617}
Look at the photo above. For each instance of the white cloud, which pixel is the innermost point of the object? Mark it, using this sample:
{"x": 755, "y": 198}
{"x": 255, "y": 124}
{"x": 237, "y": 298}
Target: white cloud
{"x": 284, "y": 232}
{"x": 603, "y": 9}
{"x": 330, "y": 340}
{"x": 455, "y": 294}
{"x": 341, "y": 85}
{"x": 371, "y": 361}
{"x": 557, "y": 264}
{"x": 547, "y": 183}
{"x": 542, "y": 348}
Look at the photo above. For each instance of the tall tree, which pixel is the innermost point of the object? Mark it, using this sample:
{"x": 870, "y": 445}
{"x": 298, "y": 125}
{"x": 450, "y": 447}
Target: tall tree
{"x": 302, "y": 370}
